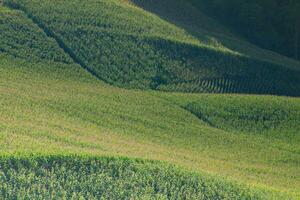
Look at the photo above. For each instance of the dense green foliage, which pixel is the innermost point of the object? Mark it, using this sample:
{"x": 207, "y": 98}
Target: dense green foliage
{"x": 70, "y": 177}
{"x": 272, "y": 24}
{"x": 50, "y": 106}
{"x": 128, "y": 47}
{"x": 46, "y": 108}
{"x": 252, "y": 114}
{"x": 20, "y": 38}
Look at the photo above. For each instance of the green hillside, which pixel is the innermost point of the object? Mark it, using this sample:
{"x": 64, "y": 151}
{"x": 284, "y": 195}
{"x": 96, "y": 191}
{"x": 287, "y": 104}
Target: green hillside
{"x": 273, "y": 117}
{"x": 272, "y": 24}
{"x": 110, "y": 178}
{"x": 21, "y": 38}
{"x": 205, "y": 28}
{"x": 55, "y": 112}
{"x": 62, "y": 130}
{"x": 126, "y": 46}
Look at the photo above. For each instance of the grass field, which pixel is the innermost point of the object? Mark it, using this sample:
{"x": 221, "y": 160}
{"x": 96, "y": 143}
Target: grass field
{"x": 57, "y": 117}
{"x": 70, "y": 177}
{"x": 126, "y": 46}
{"x": 69, "y": 116}
{"x": 272, "y": 117}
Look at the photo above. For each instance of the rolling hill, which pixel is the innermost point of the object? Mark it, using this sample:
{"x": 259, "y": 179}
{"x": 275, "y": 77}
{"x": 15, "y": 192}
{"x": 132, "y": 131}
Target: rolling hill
{"x": 126, "y": 46}
{"x": 68, "y": 132}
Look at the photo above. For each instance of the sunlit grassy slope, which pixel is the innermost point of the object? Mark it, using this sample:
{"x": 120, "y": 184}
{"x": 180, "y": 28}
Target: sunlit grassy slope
{"x": 50, "y": 106}
{"x": 52, "y": 114}
{"x": 127, "y": 46}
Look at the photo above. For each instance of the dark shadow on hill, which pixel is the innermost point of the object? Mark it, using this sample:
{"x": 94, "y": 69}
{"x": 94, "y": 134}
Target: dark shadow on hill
{"x": 185, "y": 15}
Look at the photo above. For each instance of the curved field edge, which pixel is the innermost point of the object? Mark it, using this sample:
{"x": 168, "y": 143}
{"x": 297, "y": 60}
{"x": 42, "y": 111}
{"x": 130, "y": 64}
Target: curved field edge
{"x": 265, "y": 115}
{"x": 87, "y": 177}
{"x": 273, "y": 116}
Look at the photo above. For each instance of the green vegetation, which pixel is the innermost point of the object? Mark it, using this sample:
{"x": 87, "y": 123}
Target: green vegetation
{"x": 251, "y": 114}
{"x": 274, "y": 25}
{"x": 20, "y": 38}
{"x": 273, "y": 117}
{"x": 57, "y": 120}
{"x": 208, "y": 30}
{"x": 46, "y": 109}
{"x": 70, "y": 177}
{"x": 128, "y": 47}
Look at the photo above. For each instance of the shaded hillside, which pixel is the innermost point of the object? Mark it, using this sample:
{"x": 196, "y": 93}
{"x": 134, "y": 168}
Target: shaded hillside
{"x": 274, "y": 25}
{"x": 128, "y": 47}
